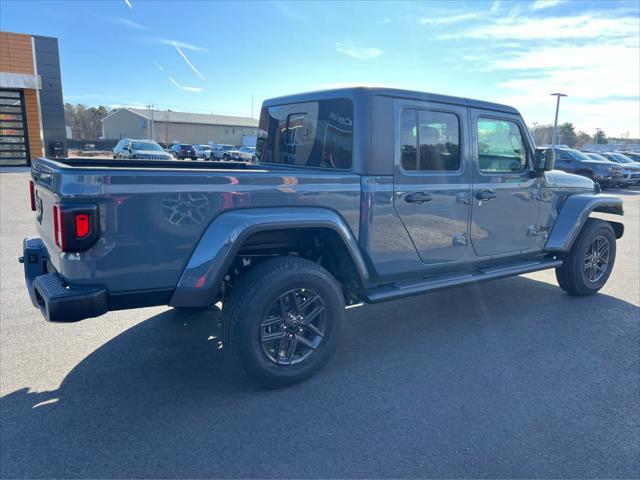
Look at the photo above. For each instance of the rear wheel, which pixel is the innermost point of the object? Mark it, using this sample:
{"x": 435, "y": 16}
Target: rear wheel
{"x": 283, "y": 320}
{"x": 586, "y": 268}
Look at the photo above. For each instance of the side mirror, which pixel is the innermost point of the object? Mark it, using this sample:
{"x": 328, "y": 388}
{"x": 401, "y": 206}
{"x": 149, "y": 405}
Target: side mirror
{"x": 544, "y": 160}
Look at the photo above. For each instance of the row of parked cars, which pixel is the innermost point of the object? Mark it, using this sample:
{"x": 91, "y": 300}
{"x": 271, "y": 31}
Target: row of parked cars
{"x": 609, "y": 169}
{"x": 217, "y": 151}
{"x": 150, "y": 150}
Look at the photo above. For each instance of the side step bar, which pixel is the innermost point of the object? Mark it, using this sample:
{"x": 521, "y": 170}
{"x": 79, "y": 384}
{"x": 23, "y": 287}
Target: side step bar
{"x": 390, "y": 292}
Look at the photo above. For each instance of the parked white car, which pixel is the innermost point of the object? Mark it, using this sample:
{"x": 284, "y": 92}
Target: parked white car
{"x": 247, "y": 154}
{"x": 204, "y": 151}
{"x": 225, "y": 152}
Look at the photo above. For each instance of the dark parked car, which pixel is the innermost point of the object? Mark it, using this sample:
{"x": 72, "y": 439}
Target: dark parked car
{"x": 358, "y": 195}
{"x": 182, "y": 151}
{"x": 631, "y": 168}
{"x": 139, "y": 150}
{"x": 605, "y": 172}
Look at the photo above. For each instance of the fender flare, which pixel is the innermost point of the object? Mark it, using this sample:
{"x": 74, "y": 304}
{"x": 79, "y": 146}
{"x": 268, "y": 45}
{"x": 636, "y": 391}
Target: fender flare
{"x": 574, "y": 213}
{"x": 200, "y": 280}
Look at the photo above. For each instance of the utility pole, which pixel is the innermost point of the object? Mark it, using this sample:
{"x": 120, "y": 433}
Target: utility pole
{"x": 251, "y": 104}
{"x": 152, "y": 133}
{"x": 596, "y": 138}
{"x": 555, "y": 123}
{"x": 535, "y": 125}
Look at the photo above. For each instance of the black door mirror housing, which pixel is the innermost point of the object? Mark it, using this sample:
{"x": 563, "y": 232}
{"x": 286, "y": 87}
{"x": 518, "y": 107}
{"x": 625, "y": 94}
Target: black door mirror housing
{"x": 544, "y": 160}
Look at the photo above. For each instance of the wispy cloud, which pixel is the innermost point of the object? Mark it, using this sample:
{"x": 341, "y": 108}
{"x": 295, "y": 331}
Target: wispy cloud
{"x": 288, "y": 9}
{"x": 447, "y": 19}
{"x": 128, "y": 23}
{"x": 173, "y": 43}
{"x": 185, "y": 88}
{"x": 540, "y": 4}
{"x": 171, "y": 79}
{"x": 583, "y": 26}
{"x": 384, "y": 21}
{"x": 495, "y": 5}
{"x": 160, "y": 67}
{"x": 361, "y": 53}
{"x": 184, "y": 57}
{"x": 128, "y": 4}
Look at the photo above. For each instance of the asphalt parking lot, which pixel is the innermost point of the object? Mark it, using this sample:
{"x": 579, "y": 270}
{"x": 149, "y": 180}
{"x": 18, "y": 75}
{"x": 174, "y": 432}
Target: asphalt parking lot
{"x": 506, "y": 379}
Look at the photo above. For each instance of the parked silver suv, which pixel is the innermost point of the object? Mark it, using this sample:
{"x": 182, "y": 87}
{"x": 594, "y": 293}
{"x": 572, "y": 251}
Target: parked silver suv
{"x": 140, "y": 150}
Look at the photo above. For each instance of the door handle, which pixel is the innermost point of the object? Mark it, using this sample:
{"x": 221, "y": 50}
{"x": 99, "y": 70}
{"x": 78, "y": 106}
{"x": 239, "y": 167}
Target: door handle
{"x": 486, "y": 195}
{"x": 417, "y": 197}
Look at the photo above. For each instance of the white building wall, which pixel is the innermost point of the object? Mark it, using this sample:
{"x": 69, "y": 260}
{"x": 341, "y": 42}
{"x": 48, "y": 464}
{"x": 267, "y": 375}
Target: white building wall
{"x": 124, "y": 124}
{"x": 193, "y": 133}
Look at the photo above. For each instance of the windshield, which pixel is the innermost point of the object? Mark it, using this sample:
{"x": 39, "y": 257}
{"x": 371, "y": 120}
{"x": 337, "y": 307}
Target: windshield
{"x": 621, "y": 158}
{"x": 146, "y": 146}
{"x": 228, "y": 147}
{"x": 597, "y": 156}
{"x": 577, "y": 154}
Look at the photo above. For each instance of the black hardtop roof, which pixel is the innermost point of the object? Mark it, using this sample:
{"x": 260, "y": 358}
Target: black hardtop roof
{"x": 352, "y": 92}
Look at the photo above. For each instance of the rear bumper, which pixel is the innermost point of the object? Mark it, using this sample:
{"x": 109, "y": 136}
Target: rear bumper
{"x": 58, "y": 301}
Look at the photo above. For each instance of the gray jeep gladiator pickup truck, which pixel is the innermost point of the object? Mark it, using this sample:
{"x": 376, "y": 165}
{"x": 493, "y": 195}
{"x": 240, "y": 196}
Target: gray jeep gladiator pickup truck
{"x": 357, "y": 195}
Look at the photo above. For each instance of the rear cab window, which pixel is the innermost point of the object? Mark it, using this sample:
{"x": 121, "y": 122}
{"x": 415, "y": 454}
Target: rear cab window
{"x": 311, "y": 134}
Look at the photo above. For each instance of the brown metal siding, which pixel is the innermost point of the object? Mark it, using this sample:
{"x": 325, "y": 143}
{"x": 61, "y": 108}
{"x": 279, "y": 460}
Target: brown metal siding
{"x": 33, "y": 123}
{"x": 16, "y": 53}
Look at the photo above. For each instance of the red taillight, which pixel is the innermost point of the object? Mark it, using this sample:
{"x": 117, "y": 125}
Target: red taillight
{"x": 32, "y": 195}
{"x": 75, "y": 226}
{"x": 58, "y": 234}
{"x": 83, "y": 228}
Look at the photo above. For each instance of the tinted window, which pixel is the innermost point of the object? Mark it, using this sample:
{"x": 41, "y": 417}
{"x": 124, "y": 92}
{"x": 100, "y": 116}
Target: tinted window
{"x": 430, "y": 141}
{"x": 311, "y": 134}
{"x": 501, "y": 147}
{"x": 145, "y": 146}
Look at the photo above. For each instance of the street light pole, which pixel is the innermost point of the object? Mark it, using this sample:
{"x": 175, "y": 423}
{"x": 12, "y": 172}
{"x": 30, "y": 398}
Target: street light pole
{"x": 555, "y": 123}
{"x": 596, "y": 138}
{"x": 535, "y": 125}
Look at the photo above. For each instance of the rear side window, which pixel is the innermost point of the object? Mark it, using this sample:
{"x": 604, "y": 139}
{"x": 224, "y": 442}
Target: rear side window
{"x": 430, "y": 141}
{"x": 310, "y": 134}
{"x": 501, "y": 146}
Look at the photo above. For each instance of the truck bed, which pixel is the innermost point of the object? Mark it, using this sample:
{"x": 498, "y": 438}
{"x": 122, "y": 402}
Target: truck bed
{"x": 153, "y": 213}
{"x": 132, "y": 163}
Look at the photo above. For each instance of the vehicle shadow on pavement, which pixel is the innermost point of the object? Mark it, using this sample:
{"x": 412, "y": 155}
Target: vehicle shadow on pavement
{"x": 510, "y": 378}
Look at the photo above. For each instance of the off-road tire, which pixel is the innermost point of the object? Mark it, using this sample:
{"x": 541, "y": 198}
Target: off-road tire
{"x": 571, "y": 275}
{"x": 248, "y": 304}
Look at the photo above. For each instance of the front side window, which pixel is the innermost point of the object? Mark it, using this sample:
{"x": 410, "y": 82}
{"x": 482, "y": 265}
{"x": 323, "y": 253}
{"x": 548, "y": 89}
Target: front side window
{"x": 501, "y": 147}
{"x": 430, "y": 141}
{"x": 310, "y": 134}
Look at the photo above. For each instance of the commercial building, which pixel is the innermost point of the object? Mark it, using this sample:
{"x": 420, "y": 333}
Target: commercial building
{"x": 167, "y": 126}
{"x": 31, "y": 105}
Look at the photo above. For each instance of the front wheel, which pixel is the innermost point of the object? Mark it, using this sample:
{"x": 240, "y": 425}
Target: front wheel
{"x": 586, "y": 268}
{"x": 283, "y": 320}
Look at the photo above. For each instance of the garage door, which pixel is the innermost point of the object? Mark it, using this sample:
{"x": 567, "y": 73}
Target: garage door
{"x": 14, "y": 149}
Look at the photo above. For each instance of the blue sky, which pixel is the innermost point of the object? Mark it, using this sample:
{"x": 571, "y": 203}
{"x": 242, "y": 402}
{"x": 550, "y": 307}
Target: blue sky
{"x": 213, "y": 56}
